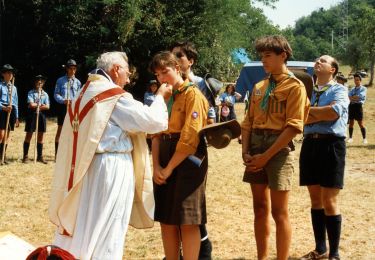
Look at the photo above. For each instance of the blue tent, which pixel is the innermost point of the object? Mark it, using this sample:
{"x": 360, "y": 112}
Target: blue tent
{"x": 253, "y": 72}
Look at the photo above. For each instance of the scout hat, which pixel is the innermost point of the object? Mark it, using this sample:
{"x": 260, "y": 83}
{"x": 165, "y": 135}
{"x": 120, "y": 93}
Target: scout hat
{"x": 7, "y": 67}
{"x": 70, "y": 63}
{"x": 213, "y": 85}
{"x": 40, "y": 77}
{"x": 219, "y": 135}
{"x": 341, "y": 76}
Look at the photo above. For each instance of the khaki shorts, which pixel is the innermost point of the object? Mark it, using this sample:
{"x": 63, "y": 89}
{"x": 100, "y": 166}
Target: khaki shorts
{"x": 278, "y": 172}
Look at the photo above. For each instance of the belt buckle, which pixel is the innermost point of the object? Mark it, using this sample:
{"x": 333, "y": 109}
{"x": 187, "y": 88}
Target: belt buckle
{"x": 315, "y": 135}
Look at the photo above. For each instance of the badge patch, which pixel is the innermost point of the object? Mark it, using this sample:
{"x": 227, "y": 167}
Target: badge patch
{"x": 194, "y": 115}
{"x": 258, "y": 92}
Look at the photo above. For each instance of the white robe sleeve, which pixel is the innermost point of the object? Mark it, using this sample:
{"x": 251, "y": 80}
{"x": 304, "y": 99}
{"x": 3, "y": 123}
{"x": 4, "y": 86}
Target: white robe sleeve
{"x": 132, "y": 116}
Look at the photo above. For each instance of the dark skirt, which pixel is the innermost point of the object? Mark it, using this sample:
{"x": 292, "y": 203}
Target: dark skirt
{"x": 182, "y": 200}
{"x": 3, "y": 120}
{"x": 30, "y": 125}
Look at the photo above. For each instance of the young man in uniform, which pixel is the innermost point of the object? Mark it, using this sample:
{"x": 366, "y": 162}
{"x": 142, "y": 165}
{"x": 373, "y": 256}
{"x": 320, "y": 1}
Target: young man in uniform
{"x": 66, "y": 89}
{"x": 7, "y": 86}
{"x": 322, "y": 157}
{"x": 357, "y": 97}
{"x": 278, "y": 110}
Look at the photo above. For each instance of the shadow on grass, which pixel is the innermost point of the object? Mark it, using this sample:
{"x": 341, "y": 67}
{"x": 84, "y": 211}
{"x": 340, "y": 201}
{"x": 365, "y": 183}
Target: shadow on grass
{"x": 364, "y": 147}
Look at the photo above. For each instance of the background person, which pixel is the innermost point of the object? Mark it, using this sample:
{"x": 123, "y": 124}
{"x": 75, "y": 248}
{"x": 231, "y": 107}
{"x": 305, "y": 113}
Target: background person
{"x": 357, "y": 97}
{"x": 7, "y": 83}
{"x": 63, "y": 97}
{"x": 228, "y": 99}
{"x": 322, "y": 157}
{"x": 35, "y": 99}
{"x": 102, "y": 174}
{"x": 150, "y": 94}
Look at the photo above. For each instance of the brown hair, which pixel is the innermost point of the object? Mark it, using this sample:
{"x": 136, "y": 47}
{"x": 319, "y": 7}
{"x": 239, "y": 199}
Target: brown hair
{"x": 187, "y": 47}
{"x": 275, "y": 43}
{"x": 335, "y": 64}
{"x": 163, "y": 59}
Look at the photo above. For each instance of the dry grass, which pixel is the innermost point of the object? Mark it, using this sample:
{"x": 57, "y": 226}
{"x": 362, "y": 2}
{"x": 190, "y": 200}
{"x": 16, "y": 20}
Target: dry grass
{"x": 24, "y": 195}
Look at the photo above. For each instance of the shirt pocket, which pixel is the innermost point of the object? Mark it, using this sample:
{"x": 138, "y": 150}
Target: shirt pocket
{"x": 277, "y": 103}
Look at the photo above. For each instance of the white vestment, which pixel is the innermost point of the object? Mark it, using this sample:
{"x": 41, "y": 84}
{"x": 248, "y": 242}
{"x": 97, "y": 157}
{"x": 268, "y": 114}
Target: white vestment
{"x": 108, "y": 186}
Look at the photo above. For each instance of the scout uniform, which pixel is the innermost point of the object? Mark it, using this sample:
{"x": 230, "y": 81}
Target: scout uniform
{"x": 272, "y": 109}
{"x": 182, "y": 199}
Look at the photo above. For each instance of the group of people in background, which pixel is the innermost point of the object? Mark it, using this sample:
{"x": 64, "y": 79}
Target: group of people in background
{"x": 38, "y": 102}
{"x": 102, "y": 181}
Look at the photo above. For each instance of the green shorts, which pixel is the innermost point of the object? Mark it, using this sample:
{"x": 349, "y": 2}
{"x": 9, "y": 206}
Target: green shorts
{"x": 278, "y": 172}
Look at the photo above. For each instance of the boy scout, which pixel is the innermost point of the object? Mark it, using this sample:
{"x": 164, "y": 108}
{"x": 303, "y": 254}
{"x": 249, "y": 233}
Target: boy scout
{"x": 278, "y": 109}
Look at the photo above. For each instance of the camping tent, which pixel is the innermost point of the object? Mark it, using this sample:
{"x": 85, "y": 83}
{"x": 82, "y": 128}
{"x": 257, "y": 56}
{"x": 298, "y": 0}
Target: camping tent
{"x": 253, "y": 72}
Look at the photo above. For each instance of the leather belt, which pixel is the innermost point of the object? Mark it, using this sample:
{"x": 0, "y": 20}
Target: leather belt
{"x": 172, "y": 136}
{"x": 320, "y": 136}
{"x": 259, "y": 131}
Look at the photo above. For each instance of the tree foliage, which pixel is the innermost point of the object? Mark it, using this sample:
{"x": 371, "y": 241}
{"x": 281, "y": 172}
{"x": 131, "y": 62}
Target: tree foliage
{"x": 39, "y": 36}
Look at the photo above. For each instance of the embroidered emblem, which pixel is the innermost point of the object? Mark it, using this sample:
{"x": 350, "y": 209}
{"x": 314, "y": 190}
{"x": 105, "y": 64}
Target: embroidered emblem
{"x": 258, "y": 92}
{"x": 194, "y": 115}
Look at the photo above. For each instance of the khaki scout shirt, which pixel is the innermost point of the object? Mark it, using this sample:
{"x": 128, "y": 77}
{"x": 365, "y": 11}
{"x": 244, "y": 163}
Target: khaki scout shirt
{"x": 188, "y": 117}
{"x": 288, "y": 105}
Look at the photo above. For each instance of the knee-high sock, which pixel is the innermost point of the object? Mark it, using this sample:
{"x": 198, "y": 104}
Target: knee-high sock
{"x": 363, "y": 131}
{"x": 39, "y": 148}
{"x": 351, "y": 132}
{"x": 26, "y": 146}
{"x": 319, "y": 227}
{"x": 333, "y": 224}
{"x": 203, "y": 231}
{"x": 56, "y": 147}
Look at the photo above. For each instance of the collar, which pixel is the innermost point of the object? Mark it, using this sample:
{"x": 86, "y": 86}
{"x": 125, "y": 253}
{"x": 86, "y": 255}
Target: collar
{"x": 183, "y": 86}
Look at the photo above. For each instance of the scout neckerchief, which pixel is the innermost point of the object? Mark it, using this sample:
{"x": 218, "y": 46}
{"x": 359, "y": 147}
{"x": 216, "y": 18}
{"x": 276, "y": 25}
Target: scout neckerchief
{"x": 77, "y": 116}
{"x": 319, "y": 92}
{"x": 180, "y": 90}
{"x": 271, "y": 86}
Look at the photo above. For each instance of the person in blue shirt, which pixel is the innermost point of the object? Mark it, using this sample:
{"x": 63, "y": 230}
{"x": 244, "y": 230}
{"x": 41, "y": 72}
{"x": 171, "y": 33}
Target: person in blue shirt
{"x": 64, "y": 97}
{"x": 228, "y": 99}
{"x": 357, "y": 96}
{"x": 322, "y": 157}
{"x": 150, "y": 94}
{"x": 6, "y": 87}
{"x": 37, "y": 98}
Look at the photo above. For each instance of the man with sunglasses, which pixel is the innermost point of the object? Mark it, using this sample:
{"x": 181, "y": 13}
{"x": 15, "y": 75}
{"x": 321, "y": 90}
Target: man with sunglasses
{"x": 187, "y": 55}
{"x": 322, "y": 157}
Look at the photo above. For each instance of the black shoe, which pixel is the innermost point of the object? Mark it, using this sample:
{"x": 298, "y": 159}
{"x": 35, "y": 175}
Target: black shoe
{"x": 205, "y": 250}
{"x": 181, "y": 257}
{"x": 25, "y": 159}
{"x": 41, "y": 160}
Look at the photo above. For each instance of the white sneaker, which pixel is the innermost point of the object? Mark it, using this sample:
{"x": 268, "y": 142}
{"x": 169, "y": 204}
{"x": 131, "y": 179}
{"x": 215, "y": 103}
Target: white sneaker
{"x": 365, "y": 141}
{"x": 350, "y": 140}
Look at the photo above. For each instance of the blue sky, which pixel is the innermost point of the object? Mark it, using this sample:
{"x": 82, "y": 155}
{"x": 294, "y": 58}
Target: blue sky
{"x": 288, "y": 11}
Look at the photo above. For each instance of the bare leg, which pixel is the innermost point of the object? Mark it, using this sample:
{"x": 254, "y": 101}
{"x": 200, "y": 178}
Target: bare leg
{"x": 191, "y": 241}
{"x": 171, "y": 241}
{"x": 261, "y": 206}
{"x": 280, "y": 213}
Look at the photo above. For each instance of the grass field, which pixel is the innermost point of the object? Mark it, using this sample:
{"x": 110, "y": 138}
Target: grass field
{"x": 24, "y": 195}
